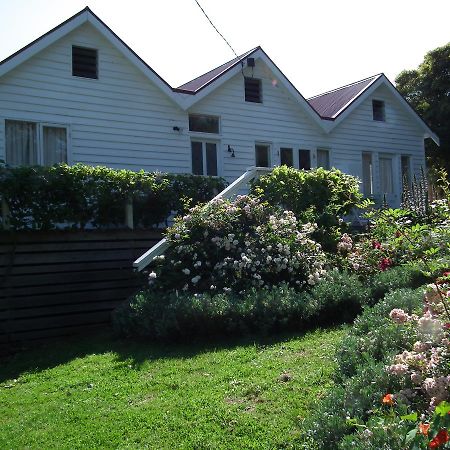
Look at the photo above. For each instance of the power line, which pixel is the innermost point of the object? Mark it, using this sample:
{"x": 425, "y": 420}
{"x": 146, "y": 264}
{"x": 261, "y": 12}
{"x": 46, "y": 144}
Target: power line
{"x": 218, "y": 32}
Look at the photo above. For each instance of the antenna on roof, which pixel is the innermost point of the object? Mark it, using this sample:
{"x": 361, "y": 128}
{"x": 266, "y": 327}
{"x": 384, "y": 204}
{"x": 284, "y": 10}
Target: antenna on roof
{"x": 218, "y": 32}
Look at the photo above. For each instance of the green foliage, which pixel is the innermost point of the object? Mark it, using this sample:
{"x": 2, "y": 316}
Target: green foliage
{"x": 374, "y": 336}
{"x": 235, "y": 244}
{"x": 361, "y": 375}
{"x": 175, "y": 316}
{"x": 426, "y": 89}
{"x": 395, "y": 278}
{"x": 316, "y": 196}
{"x": 73, "y": 196}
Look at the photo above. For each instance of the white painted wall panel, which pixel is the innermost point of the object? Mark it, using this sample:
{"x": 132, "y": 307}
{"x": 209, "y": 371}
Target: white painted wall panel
{"x": 120, "y": 120}
{"x": 123, "y": 120}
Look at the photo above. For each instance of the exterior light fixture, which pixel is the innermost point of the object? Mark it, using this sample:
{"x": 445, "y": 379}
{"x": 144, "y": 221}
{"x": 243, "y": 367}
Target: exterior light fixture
{"x": 231, "y": 150}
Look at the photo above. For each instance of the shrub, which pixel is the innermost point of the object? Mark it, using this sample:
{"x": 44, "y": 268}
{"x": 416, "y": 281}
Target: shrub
{"x": 233, "y": 245}
{"x": 74, "y": 196}
{"x": 176, "y": 315}
{"x": 317, "y": 196}
{"x": 373, "y": 336}
{"x": 361, "y": 376}
{"x": 340, "y": 296}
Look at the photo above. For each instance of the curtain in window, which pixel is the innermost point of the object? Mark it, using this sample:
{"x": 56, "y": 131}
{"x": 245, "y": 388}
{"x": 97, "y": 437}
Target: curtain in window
{"x": 323, "y": 159}
{"x": 21, "y": 143}
{"x": 386, "y": 176}
{"x": 55, "y": 145}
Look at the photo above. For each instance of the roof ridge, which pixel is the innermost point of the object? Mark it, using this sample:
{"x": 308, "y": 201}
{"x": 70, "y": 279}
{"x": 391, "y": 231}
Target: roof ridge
{"x": 234, "y": 61}
{"x": 373, "y": 77}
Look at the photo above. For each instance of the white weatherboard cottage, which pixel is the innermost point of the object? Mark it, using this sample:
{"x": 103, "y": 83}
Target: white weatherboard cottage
{"x": 80, "y": 94}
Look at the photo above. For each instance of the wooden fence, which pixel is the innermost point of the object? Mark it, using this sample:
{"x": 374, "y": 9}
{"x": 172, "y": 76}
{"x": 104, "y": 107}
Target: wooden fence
{"x": 58, "y": 283}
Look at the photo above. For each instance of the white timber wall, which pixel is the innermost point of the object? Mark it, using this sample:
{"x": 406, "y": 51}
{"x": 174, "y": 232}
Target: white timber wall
{"x": 398, "y": 135}
{"x": 121, "y": 120}
{"x": 279, "y": 121}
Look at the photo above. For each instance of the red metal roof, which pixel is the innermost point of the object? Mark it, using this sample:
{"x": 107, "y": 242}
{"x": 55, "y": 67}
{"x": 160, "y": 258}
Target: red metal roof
{"x": 330, "y": 104}
{"x": 193, "y": 86}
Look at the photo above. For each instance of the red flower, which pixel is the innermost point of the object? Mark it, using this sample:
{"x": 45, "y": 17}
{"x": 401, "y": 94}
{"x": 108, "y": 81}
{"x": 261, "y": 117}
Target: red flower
{"x": 441, "y": 438}
{"x": 376, "y": 245}
{"x": 388, "y": 399}
{"x": 447, "y": 327}
{"x": 384, "y": 264}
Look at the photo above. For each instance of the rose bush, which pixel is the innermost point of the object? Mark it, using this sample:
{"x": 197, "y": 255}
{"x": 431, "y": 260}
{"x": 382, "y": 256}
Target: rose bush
{"x": 234, "y": 245}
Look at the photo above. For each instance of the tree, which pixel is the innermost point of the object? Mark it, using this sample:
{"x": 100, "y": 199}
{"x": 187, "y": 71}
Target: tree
{"x": 427, "y": 89}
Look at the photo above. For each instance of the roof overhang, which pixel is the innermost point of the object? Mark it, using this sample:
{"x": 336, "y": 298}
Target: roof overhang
{"x": 81, "y": 18}
{"x": 382, "y": 80}
{"x": 258, "y": 54}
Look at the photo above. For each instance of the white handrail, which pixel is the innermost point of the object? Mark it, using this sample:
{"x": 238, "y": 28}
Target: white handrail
{"x": 158, "y": 249}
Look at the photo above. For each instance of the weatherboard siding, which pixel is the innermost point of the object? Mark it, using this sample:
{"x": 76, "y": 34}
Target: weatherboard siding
{"x": 278, "y": 121}
{"x": 398, "y": 135}
{"x": 121, "y": 119}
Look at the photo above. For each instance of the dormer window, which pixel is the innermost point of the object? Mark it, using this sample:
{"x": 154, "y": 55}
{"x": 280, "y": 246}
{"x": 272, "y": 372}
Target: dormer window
{"x": 84, "y": 62}
{"x": 378, "y": 111}
{"x": 253, "y": 90}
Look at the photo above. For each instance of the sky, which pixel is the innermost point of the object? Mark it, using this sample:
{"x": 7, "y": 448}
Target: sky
{"x": 318, "y": 44}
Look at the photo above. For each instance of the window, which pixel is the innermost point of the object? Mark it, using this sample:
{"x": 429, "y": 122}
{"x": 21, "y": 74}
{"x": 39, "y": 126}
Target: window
{"x": 386, "y": 175}
{"x": 304, "y": 159}
{"x": 253, "y": 90}
{"x": 286, "y": 157}
{"x": 204, "y": 158}
{"x": 84, "y": 62}
{"x": 204, "y": 124}
{"x": 406, "y": 171}
{"x": 323, "y": 158}
{"x": 31, "y": 143}
{"x": 262, "y": 155}
{"x": 378, "y": 110}
{"x": 367, "y": 174}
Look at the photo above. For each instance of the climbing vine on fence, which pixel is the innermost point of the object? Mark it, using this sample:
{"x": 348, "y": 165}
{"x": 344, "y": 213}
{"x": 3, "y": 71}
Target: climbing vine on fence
{"x": 83, "y": 196}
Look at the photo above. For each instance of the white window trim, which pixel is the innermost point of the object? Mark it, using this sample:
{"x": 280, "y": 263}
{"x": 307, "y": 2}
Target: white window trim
{"x": 373, "y": 177}
{"x": 39, "y": 136}
{"x": 218, "y": 155}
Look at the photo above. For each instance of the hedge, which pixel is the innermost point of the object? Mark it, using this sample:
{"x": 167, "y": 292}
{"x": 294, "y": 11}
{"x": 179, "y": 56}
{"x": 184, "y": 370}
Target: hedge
{"x": 78, "y": 196}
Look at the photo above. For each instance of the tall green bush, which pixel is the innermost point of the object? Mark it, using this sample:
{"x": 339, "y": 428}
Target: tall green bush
{"x": 43, "y": 197}
{"x": 317, "y": 196}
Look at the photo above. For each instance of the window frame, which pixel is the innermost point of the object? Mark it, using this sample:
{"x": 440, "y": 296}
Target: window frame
{"x": 207, "y": 133}
{"x": 330, "y": 160}
{"x": 204, "y": 162}
{"x": 40, "y": 137}
{"x": 269, "y": 152}
{"x": 260, "y": 90}
{"x": 383, "y": 110}
{"x": 410, "y": 169}
{"x": 97, "y": 68}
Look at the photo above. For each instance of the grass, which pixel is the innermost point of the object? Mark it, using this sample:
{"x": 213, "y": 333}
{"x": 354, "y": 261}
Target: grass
{"x": 100, "y": 392}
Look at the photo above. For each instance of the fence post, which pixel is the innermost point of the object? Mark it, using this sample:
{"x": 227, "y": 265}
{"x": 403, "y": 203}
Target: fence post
{"x": 129, "y": 222}
{"x": 5, "y": 215}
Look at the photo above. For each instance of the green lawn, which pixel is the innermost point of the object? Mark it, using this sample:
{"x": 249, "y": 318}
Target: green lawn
{"x": 99, "y": 392}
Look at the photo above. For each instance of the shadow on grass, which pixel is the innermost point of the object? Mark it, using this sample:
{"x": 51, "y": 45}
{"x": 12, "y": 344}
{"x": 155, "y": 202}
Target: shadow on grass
{"x": 135, "y": 352}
